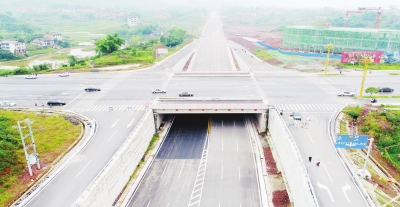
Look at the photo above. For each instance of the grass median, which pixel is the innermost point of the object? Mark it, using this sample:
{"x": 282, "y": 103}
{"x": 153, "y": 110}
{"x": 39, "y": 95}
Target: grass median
{"x": 53, "y": 135}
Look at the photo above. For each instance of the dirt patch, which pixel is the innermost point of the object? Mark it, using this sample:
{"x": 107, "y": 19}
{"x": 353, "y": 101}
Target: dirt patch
{"x": 280, "y": 198}
{"x": 246, "y": 44}
{"x": 270, "y": 162}
{"x": 185, "y": 68}
{"x": 274, "y": 62}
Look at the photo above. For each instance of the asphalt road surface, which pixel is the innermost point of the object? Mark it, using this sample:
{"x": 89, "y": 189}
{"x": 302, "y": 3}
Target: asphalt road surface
{"x": 176, "y": 177}
{"x": 212, "y": 53}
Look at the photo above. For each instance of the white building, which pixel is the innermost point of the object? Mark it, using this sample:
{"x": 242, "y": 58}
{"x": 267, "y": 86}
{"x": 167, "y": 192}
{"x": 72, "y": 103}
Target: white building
{"x": 133, "y": 21}
{"x": 53, "y": 36}
{"x": 13, "y": 46}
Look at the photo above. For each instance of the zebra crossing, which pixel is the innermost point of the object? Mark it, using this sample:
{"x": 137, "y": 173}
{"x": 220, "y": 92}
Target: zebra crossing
{"x": 117, "y": 108}
{"x": 274, "y": 71}
{"x": 308, "y": 107}
{"x": 152, "y": 72}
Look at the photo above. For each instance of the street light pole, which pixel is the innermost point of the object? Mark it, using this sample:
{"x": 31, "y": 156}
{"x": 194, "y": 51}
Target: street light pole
{"x": 367, "y": 61}
{"x": 369, "y": 151}
{"x": 329, "y": 46}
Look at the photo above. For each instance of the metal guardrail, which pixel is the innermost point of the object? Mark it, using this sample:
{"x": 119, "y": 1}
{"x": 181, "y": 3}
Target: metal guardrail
{"x": 209, "y": 106}
{"x": 343, "y": 159}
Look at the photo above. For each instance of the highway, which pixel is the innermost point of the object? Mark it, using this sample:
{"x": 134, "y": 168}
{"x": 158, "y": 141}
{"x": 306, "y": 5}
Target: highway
{"x": 213, "y": 54}
{"x": 224, "y": 182}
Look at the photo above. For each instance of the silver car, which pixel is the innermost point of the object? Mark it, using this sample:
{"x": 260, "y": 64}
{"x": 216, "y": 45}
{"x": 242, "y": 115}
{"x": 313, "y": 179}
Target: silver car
{"x": 159, "y": 91}
{"x": 345, "y": 93}
{"x": 30, "y": 77}
{"x": 7, "y": 104}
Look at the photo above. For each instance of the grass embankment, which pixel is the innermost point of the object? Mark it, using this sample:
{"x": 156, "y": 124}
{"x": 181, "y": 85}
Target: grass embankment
{"x": 53, "y": 135}
{"x": 374, "y": 66}
{"x": 383, "y": 125}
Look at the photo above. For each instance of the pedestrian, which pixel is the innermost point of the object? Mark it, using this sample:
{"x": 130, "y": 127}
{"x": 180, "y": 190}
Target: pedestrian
{"x": 281, "y": 112}
{"x": 35, "y": 104}
{"x": 318, "y": 163}
{"x": 42, "y": 104}
{"x": 370, "y": 71}
{"x": 340, "y": 71}
{"x": 309, "y": 158}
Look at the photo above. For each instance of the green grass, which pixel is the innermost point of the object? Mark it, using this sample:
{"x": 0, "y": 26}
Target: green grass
{"x": 390, "y": 106}
{"x": 373, "y": 66}
{"x": 262, "y": 54}
{"x": 53, "y": 135}
{"x": 394, "y": 73}
{"x": 60, "y": 57}
{"x": 384, "y": 97}
{"x": 395, "y": 96}
{"x": 41, "y": 51}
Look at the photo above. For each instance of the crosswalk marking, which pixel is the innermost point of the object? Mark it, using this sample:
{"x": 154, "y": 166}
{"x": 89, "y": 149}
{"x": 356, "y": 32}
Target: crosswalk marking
{"x": 116, "y": 108}
{"x": 274, "y": 71}
{"x": 308, "y": 107}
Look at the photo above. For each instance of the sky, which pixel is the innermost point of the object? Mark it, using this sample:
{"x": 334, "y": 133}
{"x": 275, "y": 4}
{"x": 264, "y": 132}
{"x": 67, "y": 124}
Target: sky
{"x": 299, "y": 4}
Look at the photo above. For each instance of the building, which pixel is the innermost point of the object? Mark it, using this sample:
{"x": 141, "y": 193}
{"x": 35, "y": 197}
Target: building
{"x": 13, "y": 46}
{"x": 53, "y": 36}
{"x": 315, "y": 39}
{"x": 43, "y": 42}
{"x": 133, "y": 21}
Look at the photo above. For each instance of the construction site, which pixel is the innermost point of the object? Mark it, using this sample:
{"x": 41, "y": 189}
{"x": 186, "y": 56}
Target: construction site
{"x": 315, "y": 38}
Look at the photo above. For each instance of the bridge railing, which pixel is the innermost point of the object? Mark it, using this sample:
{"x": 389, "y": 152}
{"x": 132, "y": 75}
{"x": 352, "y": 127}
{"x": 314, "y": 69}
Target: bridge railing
{"x": 209, "y": 106}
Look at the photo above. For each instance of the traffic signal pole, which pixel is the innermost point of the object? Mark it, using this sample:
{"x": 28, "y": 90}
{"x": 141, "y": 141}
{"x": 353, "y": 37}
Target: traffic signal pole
{"x": 367, "y": 61}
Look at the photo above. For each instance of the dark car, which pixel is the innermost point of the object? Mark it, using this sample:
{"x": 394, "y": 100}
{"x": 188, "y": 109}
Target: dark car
{"x": 92, "y": 89}
{"x": 186, "y": 94}
{"x": 56, "y": 103}
{"x": 385, "y": 89}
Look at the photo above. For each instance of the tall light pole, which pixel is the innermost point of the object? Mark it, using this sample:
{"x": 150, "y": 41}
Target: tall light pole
{"x": 329, "y": 46}
{"x": 367, "y": 61}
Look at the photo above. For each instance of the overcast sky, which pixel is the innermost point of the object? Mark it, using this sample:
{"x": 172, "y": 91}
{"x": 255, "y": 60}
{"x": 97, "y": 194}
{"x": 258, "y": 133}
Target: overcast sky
{"x": 299, "y": 4}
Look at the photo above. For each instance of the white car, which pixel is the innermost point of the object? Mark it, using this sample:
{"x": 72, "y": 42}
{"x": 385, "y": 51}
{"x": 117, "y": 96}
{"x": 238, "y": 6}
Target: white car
{"x": 30, "y": 77}
{"x": 345, "y": 93}
{"x": 159, "y": 91}
{"x": 7, "y": 104}
{"x": 64, "y": 75}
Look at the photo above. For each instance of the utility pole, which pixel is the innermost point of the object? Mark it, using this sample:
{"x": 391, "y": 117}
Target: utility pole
{"x": 32, "y": 158}
{"x": 367, "y": 61}
{"x": 329, "y": 46}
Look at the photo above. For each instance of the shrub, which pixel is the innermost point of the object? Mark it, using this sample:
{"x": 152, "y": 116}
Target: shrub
{"x": 353, "y": 114}
{"x": 364, "y": 129}
{"x": 22, "y": 71}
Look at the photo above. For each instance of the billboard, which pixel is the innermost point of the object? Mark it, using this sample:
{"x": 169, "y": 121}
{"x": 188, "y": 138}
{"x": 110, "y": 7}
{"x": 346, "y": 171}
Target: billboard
{"x": 351, "y": 141}
{"x": 351, "y": 56}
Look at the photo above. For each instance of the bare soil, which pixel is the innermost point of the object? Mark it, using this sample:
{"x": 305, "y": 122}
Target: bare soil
{"x": 280, "y": 198}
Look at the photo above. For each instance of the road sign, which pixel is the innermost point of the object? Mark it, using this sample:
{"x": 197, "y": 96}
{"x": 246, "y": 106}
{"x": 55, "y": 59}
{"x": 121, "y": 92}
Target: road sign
{"x": 351, "y": 141}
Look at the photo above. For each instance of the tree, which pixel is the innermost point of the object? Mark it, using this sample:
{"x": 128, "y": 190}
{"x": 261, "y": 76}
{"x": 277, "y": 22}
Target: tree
{"x": 72, "y": 60}
{"x": 135, "y": 38}
{"x": 108, "y": 45}
{"x": 371, "y": 90}
{"x": 175, "y": 37}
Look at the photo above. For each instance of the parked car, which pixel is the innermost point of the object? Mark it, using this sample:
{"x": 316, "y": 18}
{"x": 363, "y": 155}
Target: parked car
{"x": 296, "y": 116}
{"x": 345, "y": 93}
{"x": 7, "y": 104}
{"x": 385, "y": 89}
{"x": 30, "y": 77}
{"x": 56, "y": 103}
{"x": 159, "y": 91}
{"x": 64, "y": 75}
{"x": 186, "y": 94}
{"x": 92, "y": 89}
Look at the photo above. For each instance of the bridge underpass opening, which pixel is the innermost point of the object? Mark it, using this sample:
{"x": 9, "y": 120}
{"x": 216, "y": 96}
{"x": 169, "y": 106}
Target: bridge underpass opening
{"x": 206, "y": 159}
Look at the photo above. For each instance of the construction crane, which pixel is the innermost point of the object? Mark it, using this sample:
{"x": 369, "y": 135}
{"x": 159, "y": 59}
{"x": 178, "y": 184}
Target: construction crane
{"x": 378, "y": 15}
{"x": 346, "y": 16}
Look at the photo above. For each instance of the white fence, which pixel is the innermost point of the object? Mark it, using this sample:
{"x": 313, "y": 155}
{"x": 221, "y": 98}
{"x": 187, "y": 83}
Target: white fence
{"x": 291, "y": 161}
{"x": 105, "y": 188}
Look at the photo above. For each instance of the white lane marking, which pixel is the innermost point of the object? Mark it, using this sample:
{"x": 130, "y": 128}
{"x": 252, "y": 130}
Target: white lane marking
{"x": 130, "y": 123}
{"x": 222, "y": 144}
{"x": 73, "y": 99}
{"x": 83, "y": 168}
{"x": 327, "y": 173}
{"x": 239, "y": 173}
{"x": 168, "y": 205}
{"x": 181, "y": 171}
{"x": 330, "y": 80}
{"x": 344, "y": 189}
{"x": 163, "y": 171}
{"x": 148, "y": 204}
{"x": 114, "y": 123}
{"x": 222, "y": 171}
{"x": 237, "y": 146}
{"x": 112, "y": 135}
{"x": 310, "y": 137}
{"x": 326, "y": 188}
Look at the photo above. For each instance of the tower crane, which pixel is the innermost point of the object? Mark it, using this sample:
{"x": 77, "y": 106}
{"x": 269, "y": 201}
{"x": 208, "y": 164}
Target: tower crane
{"x": 378, "y": 15}
{"x": 346, "y": 15}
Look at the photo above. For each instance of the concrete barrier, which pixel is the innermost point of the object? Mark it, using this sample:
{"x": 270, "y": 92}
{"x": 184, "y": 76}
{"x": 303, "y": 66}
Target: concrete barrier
{"x": 107, "y": 185}
{"x": 290, "y": 162}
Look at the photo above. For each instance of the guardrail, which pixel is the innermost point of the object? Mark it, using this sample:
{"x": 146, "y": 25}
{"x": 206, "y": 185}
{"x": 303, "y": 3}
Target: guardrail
{"x": 343, "y": 159}
{"x": 209, "y": 106}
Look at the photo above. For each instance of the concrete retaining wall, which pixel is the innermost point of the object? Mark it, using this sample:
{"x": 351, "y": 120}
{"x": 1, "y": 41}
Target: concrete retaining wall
{"x": 105, "y": 188}
{"x": 290, "y": 162}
